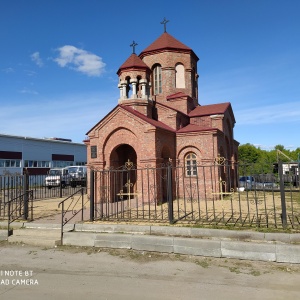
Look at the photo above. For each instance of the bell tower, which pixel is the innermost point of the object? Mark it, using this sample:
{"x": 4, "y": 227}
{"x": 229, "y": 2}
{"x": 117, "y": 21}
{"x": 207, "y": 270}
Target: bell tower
{"x": 173, "y": 73}
{"x": 134, "y": 84}
{"x": 165, "y": 72}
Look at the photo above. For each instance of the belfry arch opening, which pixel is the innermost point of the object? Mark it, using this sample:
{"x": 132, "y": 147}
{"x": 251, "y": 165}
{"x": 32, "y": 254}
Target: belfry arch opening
{"x": 128, "y": 87}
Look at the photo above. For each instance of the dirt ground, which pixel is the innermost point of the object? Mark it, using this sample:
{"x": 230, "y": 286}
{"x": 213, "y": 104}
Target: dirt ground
{"x": 47, "y": 208}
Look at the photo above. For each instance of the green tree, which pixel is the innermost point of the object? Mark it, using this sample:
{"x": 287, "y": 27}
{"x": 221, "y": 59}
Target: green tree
{"x": 253, "y": 160}
{"x": 279, "y": 147}
{"x": 295, "y": 155}
{"x": 248, "y": 153}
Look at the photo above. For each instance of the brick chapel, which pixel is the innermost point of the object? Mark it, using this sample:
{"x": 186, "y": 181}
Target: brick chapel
{"x": 158, "y": 117}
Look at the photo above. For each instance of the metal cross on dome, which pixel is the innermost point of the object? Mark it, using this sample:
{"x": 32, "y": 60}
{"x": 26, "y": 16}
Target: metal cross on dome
{"x": 133, "y": 46}
{"x": 165, "y": 21}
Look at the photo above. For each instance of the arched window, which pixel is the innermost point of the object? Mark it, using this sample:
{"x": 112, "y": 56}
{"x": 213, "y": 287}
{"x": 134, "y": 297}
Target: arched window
{"x": 179, "y": 78}
{"x": 157, "y": 80}
{"x": 190, "y": 164}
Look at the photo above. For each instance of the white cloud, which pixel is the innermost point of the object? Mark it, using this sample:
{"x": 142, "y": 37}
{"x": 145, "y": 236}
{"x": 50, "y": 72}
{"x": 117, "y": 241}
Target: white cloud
{"x": 44, "y": 119}
{"x": 8, "y": 70}
{"x": 28, "y": 91}
{"x": 30, "y": 73}
{"x": 270, "y": 114}
{"x": 80, "y": 60}
{"x": 35, "y": 57}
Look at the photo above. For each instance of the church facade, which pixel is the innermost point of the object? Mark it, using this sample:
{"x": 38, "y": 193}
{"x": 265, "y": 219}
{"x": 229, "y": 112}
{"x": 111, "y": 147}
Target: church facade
{"x": 158, "y": 118}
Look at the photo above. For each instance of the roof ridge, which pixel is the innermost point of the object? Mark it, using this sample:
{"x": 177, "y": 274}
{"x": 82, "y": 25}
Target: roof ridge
{"x": 210, "y": 109}
{"x": 153, "y": 122}
{"x": 194, "y": 128}
{"x": 170, "y": 107}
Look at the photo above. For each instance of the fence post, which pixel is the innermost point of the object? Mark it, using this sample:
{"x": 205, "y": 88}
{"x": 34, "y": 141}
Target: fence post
{"x": 170, "y": 194}
{"x": 92, "y": 195}
{"x": 60, "y": 186}
{"x": 82, "y": 203}
{"x": 282, "y": 194}
{"x": 25, "y": 195}
{"x": 8, "y": 220}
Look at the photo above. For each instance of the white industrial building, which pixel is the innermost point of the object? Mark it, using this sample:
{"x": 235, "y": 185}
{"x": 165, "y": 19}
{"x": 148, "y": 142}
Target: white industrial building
{"x": 38, "y": 155}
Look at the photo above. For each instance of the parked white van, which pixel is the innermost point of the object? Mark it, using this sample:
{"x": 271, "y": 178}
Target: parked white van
{"x": 77, "y": 175}
{"x": 57, "y": 177}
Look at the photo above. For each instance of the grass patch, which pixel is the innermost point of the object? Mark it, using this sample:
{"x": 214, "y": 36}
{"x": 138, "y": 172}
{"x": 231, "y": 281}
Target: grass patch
{"x": 255, "y": 273}
{"x": 203, "y": 263}
{"x": 234, "y": 270}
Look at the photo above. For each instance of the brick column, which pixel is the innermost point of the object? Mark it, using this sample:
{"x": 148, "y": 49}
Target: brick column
{"x": 143, "y": 83}
{"x": 122, "y": 86}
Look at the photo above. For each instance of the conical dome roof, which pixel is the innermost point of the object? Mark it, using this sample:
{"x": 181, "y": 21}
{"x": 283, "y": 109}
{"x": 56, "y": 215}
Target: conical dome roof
{"x": 165, "y": 42}
{"x": 133, "y": 61}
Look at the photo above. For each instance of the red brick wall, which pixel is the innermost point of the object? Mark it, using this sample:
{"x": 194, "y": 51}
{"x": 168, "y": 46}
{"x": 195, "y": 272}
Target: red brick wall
{"x": 168, "y": 61}
{"x": 203, "y": 122}
{"x": 203, "y": 144}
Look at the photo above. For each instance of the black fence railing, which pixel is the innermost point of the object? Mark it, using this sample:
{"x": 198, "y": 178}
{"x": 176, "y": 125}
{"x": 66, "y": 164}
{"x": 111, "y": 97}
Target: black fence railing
{"x": 20, "y": 207}
{"x": 72, "y": 208}
{"x": 221, "y": 193}
{"x": 215, "y": 194}
{"x": 12, "y": 186}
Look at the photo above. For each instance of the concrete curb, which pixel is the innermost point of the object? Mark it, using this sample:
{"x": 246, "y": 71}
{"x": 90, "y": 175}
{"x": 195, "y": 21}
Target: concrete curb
{"x": 190, "y": 232}
{"x": 251, "y": 251}
{"x": 277, "y": 247}
{"x": 204, "y": 233}
{"x": 268, "y": 251}
{"x": 197, "y": 247}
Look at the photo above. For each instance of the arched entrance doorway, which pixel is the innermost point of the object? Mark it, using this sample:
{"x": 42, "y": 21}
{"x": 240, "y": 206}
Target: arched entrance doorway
{"x": 121, "y": 154}
{"x": 123, "y": 161}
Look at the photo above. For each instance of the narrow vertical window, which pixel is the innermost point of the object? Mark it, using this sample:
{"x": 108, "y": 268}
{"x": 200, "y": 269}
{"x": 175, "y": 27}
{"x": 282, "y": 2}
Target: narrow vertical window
{"x": 194, "y": 83}
{"x": 157, "y": 80}
{"x": 179, "y": 78}
{"x": 191, "y": 164}
{"x": 93, "y": 151}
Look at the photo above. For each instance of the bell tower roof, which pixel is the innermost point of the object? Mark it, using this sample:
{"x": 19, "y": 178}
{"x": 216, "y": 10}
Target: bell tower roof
{"x": 133, "y": 62}
{"x": 166, "y": 42}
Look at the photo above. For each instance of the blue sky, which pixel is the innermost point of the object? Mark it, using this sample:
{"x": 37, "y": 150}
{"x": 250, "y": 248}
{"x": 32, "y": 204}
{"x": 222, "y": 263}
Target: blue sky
{"x": 59, "y": 60}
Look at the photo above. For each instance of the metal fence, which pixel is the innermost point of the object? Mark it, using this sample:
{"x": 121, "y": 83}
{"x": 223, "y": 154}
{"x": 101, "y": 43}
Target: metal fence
{"x": 196, "y": 194}
{"x": 221, "y": 193}
{"x": 72, "y": 208}
{"x": 20, "y": 207}
{"x": 13, "y": 187}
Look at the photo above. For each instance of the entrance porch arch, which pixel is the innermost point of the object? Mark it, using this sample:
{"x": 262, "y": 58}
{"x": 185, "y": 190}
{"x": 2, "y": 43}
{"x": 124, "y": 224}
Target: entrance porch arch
{"x": 122, "y": 154}
{"x": 123, "y": 161}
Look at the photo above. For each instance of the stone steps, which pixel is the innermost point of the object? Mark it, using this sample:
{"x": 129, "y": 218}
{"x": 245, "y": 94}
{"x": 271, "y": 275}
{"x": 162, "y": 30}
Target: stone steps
{"x": 3, "y": 235}
{"x": 36, "y": 237}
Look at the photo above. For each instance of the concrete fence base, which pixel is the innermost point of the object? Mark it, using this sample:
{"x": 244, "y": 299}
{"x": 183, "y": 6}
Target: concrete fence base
{"x": 249, "y": 245}
{"x": 190, "y": 241}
